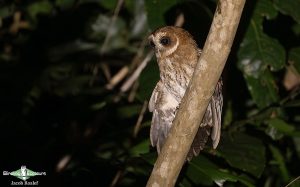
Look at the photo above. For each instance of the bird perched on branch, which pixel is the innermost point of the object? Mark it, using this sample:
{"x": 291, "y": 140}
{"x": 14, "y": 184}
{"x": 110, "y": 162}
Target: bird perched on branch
{"x": 177, "y": 55}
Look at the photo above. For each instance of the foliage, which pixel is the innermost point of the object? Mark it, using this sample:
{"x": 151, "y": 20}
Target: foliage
{"x": 63, "y": 110}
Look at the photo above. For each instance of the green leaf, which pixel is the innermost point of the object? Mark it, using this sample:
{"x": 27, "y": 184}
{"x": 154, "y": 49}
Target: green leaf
{"x": 243, "y": 152}
{"x": 263, "y": 89}
{"x": 40, "y": 7}
{"x": 289, "y": 7}
{"x": 148, "y": 79}
{"x": 258, "y": 51}
{"x": 264, "y": 8}
{"x": 258, "y": 54}
{"x": 280, "y": 161}
{"x": 117, "y": 31}
{"x": 197, "y": 177}
{"x": 129, "y": 111}
{"x": 294, "y": 58}
{"x": 187, "y": 183}
{"x": 228, "y": 116}
{"x": 141, "y": 148}
{"x": 150, "y": 157}
{"x": 281, "y": 125}
{"x": 293, "y": 103}
{"x": 64, "y": 3}
{"x": 6, "y": 11}
{"x": 278, "y": 128}
{"x": 296, "y": 29}
{"x": 206, "y": 168}
{"x": 109, "y": 4}
{"x": 156, "y": 10}
{"x": 296, "y": 141}
{"x": 98, "y": 106}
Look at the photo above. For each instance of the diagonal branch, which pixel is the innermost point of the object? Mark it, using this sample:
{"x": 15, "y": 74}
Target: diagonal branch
{"x": 198, "y": 94}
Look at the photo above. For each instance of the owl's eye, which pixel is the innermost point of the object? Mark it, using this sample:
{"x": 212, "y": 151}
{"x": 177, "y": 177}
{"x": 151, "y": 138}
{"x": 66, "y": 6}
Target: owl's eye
{"x": 151, "y": 43}
{"x": 165, "y": 41}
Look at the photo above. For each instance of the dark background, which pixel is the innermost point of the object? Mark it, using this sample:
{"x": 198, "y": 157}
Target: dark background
{"x": 58, "y": 115}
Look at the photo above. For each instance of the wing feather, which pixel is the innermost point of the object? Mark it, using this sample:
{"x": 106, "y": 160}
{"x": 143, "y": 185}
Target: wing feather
{"x": 199, "y": 142}
{"x": 217, "y": 102}
{"x": 153, "y": 98}
{"x": 211, "y": 123}
{"x": 164, "y": 106}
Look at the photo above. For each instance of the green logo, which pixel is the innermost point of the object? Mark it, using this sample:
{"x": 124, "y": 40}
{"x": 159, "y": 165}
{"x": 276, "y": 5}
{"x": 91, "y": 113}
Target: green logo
{"x": 23, "y": 173}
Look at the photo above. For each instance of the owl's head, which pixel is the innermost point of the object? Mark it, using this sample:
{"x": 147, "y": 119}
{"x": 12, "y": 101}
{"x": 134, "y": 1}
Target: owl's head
{"x": 168, "y": 40}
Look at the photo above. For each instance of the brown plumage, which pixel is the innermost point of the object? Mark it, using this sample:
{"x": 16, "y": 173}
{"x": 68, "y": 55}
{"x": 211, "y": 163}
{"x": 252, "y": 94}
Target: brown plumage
{"x": 177, "y": 55}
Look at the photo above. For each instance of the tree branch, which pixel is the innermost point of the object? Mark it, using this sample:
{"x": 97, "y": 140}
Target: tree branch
{"x": 198, "y": 94}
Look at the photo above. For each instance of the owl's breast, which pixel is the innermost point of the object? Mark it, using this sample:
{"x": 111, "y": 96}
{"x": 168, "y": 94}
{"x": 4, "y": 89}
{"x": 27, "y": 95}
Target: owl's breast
{"x": 175, "y": 76}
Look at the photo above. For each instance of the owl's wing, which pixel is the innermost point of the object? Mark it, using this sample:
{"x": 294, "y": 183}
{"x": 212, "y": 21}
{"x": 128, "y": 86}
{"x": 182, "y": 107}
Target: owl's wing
{"x": 153, "y": 98}
{"x": 216, "y": 108}
{"x": 164, "y": 106}
{"x": 211, "y": 123}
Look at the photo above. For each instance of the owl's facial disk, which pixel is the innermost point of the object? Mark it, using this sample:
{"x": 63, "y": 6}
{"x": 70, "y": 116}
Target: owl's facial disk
{"x": 163, "y": 43}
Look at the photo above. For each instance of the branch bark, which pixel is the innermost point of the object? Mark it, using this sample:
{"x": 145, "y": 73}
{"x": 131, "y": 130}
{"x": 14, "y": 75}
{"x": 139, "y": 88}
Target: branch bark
{"x": 198, "y": 94}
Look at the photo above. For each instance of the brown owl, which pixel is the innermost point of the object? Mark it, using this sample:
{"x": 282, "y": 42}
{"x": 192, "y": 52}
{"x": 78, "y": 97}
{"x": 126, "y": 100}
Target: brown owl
{"x": 177, "y": 55}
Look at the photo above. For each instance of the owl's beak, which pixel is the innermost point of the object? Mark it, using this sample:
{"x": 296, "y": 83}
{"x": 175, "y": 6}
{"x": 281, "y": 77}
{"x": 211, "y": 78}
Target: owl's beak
{"x": 153, "y": 45}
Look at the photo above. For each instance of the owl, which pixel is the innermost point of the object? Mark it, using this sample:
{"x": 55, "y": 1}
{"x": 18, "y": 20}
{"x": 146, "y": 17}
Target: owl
{"x": 177, "y": 55}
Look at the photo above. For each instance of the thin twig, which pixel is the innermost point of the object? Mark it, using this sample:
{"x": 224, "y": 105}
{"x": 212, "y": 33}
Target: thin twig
{"x": 113, "y": 20}
{"x": 118, "y": 77}
{"x": 106, "y": 71}
{"x": 137, "y": 58}
{"x": 18, "y": 23}
{"x": 129, "y": 82}
{"x": 293, "y": 181}
{"x": 179, "y": 20}
{"x": 116, "y": 178}
{"x": 140, "y": 119}
{"x": 63, "y": 162}
{"x": 95, "y": 74}
{"x": 133, "y": 91}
